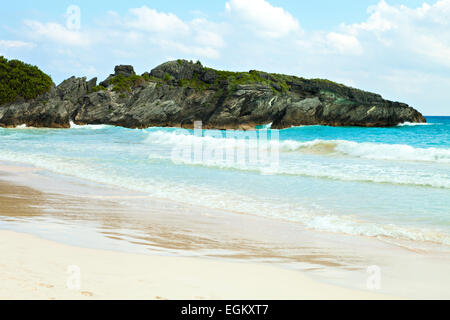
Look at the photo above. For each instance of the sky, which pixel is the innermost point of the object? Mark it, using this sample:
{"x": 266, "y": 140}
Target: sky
{"x": 397, "y": 48}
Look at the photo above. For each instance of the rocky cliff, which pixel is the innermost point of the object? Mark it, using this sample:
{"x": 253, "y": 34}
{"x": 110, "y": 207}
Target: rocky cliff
{"x": 177, "y": 93}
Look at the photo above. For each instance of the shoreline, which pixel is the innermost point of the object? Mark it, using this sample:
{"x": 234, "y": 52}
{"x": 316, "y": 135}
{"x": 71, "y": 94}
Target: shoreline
{"x": 86, "y": 218}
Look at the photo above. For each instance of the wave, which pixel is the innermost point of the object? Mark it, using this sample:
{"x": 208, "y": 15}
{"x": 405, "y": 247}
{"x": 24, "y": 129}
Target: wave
{"x": 369, "y": 150}
{"x": 252, "y": 140}
{"x": 352, "y": 226}
{"x": 265, "y": 126}
{"x": 294, "y": 158}
{"x": 313, "y": 169}
{"x": 233, "y": 201}
{"x": 413, "y": 124}
{"x": 237, "y": 201}
{"x": 89, "y": 126}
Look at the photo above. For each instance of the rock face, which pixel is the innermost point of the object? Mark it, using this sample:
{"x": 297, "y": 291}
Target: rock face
{"x": 177, "y": 93}
{"x": 122, "y": 70}
{"x": 50, "y": 110}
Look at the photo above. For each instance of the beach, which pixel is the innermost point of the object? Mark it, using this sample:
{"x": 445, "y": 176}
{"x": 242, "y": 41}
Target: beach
{"x": 38, "y": 251}
{"x": 33, "y": 268}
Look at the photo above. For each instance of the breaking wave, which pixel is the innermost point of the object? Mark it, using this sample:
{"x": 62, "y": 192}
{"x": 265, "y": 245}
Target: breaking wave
{"x": 365, "y": 150}
{"x": 88, "y": 126}
{"x": 369, "y": 150}
{"x": 413, "y": 124}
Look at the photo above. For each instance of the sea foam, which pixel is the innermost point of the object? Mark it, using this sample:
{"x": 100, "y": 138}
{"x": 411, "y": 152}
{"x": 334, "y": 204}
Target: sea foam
{"x": 88, "y": 126}
{"x": 412, "y": 124}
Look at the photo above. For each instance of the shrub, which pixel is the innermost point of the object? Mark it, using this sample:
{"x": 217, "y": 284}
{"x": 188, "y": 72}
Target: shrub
{"x": 98, "y": 88}
{"x": 122, "y": 83}
{"x": 167, "y": 77}
{"x": 18, "y": 79}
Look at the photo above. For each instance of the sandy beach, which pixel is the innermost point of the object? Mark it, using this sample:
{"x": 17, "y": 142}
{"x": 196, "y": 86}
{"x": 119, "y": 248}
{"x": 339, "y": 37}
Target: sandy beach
{"x": 131, "y": 246}
{"x": 33, "y": 268}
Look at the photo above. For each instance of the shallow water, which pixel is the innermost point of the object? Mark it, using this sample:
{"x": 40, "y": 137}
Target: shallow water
{"x": 385, "y": 182}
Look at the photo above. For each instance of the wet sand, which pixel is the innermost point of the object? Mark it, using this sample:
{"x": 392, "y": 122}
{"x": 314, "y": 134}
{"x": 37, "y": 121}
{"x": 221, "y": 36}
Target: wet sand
{"x": 33, "y": 268}
{"x": 129, "y": 233}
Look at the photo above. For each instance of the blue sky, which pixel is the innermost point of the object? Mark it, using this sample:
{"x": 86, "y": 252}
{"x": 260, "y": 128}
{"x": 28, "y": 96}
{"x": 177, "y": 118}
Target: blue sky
{"x": 400, "y": 49}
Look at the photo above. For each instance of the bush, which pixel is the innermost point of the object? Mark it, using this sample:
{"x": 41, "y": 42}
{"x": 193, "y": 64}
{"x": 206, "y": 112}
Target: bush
{"x": 122, "y": 83}
{"x": 98, "y": 88}
{"x": 18, "y": 79}
{"x": 167, "y": 77}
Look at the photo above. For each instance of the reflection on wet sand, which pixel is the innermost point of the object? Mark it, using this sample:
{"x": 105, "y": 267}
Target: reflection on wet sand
{"x": 170, "y": 231}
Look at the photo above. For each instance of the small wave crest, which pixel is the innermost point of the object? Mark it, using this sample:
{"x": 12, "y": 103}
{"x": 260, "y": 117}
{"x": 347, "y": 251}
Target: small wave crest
{"x": 88, "y": 126}
{"x": 413, "y": 124}
{"x": 349, "y": 225}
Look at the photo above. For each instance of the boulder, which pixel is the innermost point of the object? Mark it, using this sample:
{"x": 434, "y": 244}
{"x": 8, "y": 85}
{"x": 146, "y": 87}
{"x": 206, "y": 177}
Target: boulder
{"x": 124, "y": 70}
{"x": 72, "y": 89}
{"x": 179, "y": 69}
{"x": 209, "y": 76}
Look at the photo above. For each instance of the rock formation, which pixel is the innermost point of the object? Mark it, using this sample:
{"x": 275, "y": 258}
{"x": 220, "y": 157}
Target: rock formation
{"x": 177, "y": 93}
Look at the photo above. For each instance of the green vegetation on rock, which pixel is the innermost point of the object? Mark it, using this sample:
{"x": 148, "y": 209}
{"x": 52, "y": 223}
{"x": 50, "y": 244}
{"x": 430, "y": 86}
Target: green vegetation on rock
{"x": 122, "y": 83}
{"x": 235, "y": 79}
{"x": 167, "y": 77}
{"x": 98, "y": 88}
{"x": 21, "y": 80}
{"x": 194, "y": 75}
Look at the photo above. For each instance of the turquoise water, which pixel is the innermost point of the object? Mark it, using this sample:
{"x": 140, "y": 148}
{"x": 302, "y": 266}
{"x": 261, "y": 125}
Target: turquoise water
{"x": 384, "y": 182}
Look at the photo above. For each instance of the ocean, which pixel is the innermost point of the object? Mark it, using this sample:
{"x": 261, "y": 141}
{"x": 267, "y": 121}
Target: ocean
{"x": 390, "y": 183}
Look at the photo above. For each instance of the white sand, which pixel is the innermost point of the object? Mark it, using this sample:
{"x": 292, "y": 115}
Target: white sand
{"x": 32, "y": 268}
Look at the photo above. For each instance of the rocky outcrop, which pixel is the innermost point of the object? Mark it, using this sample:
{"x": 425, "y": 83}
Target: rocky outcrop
{"x": 177, "y": 93}
{"x": 122, "y": 70}
{"x": 47, "y": 111}
{"x": 50, "y": 110}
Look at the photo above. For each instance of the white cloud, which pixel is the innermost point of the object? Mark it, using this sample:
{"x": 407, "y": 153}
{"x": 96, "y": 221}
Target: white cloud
{"x": 263, "y": 18}
{"x": 344, "y": 43}
{"x": 379, "y": 20}
{"x": 150, "y": 20}
{"x": 198, "y": 38}
{"x": 143, "y": 29}
{"x": 420, "y": 33}
{"x": 56, "y": 32}
{"x": 10, "y": 44}
{"x": 208, "y": 34}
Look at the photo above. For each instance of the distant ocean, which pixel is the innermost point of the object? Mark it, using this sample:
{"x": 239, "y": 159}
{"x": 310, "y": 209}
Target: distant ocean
{"x": 378, "y": 182}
